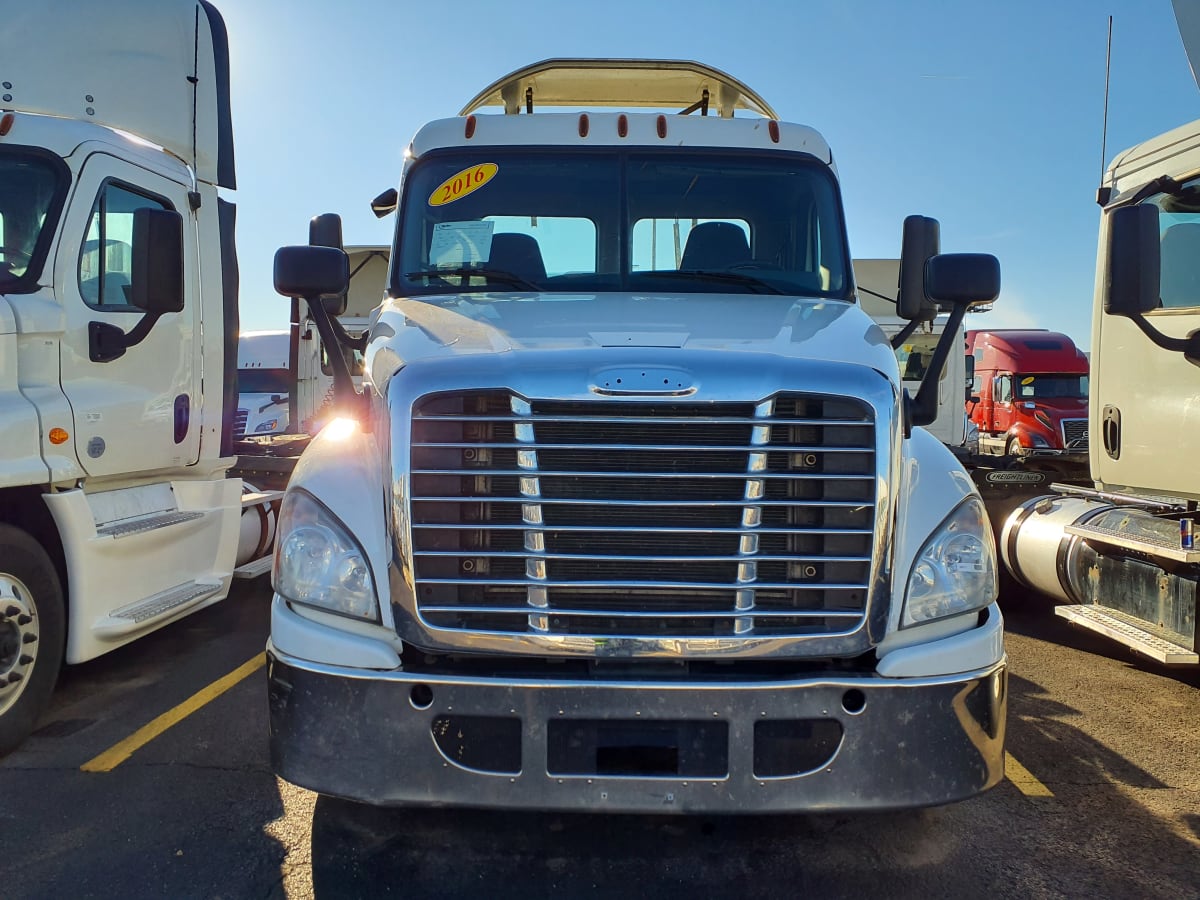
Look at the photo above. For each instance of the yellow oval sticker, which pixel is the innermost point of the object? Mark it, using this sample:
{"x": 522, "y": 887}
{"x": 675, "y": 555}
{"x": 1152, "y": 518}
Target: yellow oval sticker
{"x": 462, "y": 183}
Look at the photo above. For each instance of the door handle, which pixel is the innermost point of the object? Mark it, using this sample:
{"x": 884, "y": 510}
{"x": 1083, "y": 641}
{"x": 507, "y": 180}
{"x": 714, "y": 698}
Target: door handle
{"x": 1111, "y": 425}
{"x": 183, "y": 409}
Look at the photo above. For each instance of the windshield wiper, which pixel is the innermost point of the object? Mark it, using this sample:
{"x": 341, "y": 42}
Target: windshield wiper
{"x": 763, "y": 286}
{"x": 500, "y": 275}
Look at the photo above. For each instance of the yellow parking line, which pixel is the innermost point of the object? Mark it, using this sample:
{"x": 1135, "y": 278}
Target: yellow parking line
{"x": 119, "y": 752}
{"x": 1023, "y": 780}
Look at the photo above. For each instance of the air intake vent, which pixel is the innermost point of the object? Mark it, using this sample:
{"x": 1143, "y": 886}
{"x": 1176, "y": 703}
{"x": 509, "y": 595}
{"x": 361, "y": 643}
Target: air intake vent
{"x": 1075, "y": 434}
{"x": 652, "y": 519}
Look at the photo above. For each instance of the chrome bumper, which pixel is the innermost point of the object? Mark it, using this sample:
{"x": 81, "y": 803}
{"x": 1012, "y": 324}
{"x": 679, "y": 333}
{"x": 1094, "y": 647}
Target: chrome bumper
{"x": 808, "y": 744}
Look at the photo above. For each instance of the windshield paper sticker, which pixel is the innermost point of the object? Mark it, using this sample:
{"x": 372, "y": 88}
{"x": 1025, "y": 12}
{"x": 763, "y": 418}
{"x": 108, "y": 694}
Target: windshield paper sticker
{"x": 462, "y": 183}
{"x": 458, "y": 244}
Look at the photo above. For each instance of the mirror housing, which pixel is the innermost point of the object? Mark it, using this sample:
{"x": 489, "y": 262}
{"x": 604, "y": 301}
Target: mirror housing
{"x": 156, "y": 264}
{"x": 1134, "y": 261}
{"x": 311, "y": 272}
{"x": 325, "y": 230}
{"x": 155, "y": 282}
{"x": 921, "y": 240}
{"x": 385, "y": 203}
{"x": 963, "y": 279}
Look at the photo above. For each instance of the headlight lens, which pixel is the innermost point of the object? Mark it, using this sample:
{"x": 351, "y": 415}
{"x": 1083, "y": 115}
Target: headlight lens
{"x": 955, "y": 570}
{"x": 319, "y": 564}
{"x": 268, "y": 425}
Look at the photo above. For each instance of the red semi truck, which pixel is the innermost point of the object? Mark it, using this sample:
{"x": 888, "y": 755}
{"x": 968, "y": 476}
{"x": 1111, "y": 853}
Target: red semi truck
{"x": 1029, "y": 395}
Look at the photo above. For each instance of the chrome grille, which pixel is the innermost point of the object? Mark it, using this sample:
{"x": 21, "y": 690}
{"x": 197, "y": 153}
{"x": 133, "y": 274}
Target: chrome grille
{"x": 239, "y": 422}
{"x": 1075, "y": 434}
{"x": 642, "y": 519}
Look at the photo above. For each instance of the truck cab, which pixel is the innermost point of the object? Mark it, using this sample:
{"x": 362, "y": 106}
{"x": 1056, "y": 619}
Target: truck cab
{"x": 118, "y": 328}
{"x": 1029, "y": 393}
{"x": 265, "y": 383}
{"x": 633, "y": 512}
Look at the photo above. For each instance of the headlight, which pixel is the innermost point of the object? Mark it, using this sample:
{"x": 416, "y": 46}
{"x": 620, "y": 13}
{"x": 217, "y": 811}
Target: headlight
{"x": 268, "y": 425}
{"x": 955, "y": 571}
{"x": 1036, "y": 440}
{"x": 319, "y": 564}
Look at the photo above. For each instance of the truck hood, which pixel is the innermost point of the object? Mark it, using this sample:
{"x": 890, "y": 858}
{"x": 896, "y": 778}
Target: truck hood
{"x": 410, "y": 330}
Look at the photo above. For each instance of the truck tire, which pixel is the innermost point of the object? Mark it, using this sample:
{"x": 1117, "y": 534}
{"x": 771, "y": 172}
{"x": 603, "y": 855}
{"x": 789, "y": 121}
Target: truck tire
{"x": 32, "y": 634}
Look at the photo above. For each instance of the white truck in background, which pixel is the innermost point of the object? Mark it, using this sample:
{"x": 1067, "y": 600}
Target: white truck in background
{"x": 1121, "y": 557}
{"x": 118, "y": 330}
{"x": 614, "y": 527}
{"x": 265, "y": 383}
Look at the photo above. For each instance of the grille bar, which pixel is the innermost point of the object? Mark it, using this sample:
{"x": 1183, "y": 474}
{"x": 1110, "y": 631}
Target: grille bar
{"x": 459, "y": 526}
{"x": 635, "y": 420}
{"x": 516, "y": 554}
{"x": 648, "y": 584}
{"x": 658, "y": 614}
{"x": 664, "y": 448}
{"x": 571, "y": 501}
{"x": 584, "y": 473}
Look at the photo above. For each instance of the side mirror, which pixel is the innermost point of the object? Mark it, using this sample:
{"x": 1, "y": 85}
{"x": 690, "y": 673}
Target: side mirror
{"x": 155, "y": 282}
{"x": 385, "y": 203}
{"x": 963, "y": 279}
{"x": 325, "y": 230}
{"x": 921, "y": 240}
{"x": 156, "y": 265}
{"x": 311, "y": 272}
{"x": 1134, "y": 261}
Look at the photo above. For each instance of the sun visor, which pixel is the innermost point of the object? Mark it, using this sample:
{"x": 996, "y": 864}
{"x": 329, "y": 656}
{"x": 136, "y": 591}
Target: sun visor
{"x": 157, "y": 69}
{"x": 1187, "y": 18}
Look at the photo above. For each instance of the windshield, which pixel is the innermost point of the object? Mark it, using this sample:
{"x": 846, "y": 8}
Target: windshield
{"x": 587, "y": 221}
{"x": 1052, "y": 387}
{"x": 31, "y": 191}
{"x": 264, "y": 381}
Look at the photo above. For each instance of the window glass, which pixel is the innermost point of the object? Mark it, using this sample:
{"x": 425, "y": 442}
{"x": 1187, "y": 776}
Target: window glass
{"x": 580, "y": 222}
{"x": 1048, "y": 387}
{"x": 264, "y": 381}
{"x": 1179, "y": 230}
{"x": 1003, "y": 389}
{"x": 354, "y": 359}
{"x": 106, "y": 258}
{"x": 31, "y": 189}
{"x": 915, "y": 354}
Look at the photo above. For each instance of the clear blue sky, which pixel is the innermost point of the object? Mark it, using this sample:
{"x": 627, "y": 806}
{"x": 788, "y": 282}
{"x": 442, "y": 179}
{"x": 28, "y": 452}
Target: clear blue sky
{"x": 985, "y": 115}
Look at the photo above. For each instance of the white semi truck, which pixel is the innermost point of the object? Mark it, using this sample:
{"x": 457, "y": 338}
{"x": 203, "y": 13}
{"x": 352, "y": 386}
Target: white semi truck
{"x": 1121, "y": 556}
{"x": 118, "y": 336}
{"x": 634, "y": 513}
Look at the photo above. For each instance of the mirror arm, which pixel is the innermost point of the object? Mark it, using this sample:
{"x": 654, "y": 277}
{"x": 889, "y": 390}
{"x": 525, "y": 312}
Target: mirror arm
{"x": 1188, "y": 346}
{"x": 922, "y": 409}
{"x": 344, "y": 394}
{"x": 107, "y": 342}
{"x": 903, "y": 334}
{"x": 354, "y": 343}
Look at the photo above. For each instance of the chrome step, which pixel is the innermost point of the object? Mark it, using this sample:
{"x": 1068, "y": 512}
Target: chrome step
{"x": 1126, "y": 630}
{"x": 1144, "y": 543}
{"x": 136, "y": 616}
{"x": 128, "y": 527}
{"x": 255, "y": 567}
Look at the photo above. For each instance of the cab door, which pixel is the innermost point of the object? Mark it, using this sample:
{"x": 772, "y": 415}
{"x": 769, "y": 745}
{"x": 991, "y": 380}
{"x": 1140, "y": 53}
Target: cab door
{"x": 140, "y": 412}
{"x": 1002, "y": 400}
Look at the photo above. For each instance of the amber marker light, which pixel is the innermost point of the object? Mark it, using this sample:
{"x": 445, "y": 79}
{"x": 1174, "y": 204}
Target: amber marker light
{"x": 6, "y": 123}
{"x": 58, "y": 435}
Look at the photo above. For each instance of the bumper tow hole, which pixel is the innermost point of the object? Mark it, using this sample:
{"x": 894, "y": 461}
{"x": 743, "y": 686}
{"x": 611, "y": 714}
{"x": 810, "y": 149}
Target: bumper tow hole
{"x": 854, "y": 701}
{"x": 421, "y": 696}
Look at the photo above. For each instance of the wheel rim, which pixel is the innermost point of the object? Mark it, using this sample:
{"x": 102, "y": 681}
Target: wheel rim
{"x": 19, "y": 635}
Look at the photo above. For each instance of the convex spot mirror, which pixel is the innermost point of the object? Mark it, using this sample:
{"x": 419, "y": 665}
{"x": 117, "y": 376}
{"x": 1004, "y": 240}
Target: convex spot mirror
{"x": 312, "y": 273}
{"x": 962, "y": 279}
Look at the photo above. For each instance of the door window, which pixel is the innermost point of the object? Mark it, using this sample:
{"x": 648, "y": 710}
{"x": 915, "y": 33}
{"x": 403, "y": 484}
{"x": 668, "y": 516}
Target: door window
{"x": 106, "y": 258}
{"x": 1003, "y": 389}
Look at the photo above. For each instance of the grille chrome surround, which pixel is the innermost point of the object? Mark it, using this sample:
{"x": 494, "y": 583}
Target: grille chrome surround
{"x": 1075, "y": 434}
{"x": 592, "y": 522}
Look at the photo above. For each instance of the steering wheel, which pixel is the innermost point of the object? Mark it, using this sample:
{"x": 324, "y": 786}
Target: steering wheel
{"x": 9, "y": 252}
